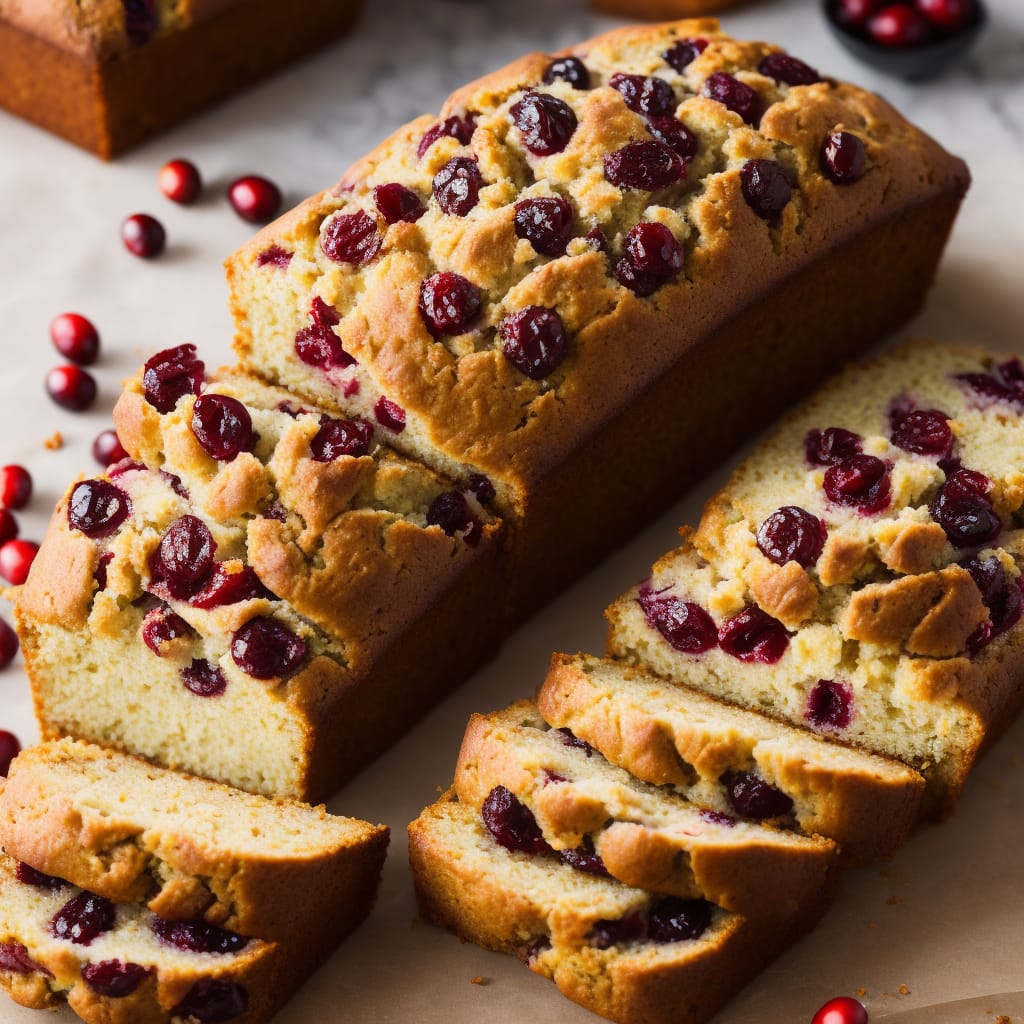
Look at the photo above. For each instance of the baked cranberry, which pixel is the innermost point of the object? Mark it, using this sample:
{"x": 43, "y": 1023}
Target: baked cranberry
{"x": 143, "y": 235}
{"x": 161, "y": 626}
{"x": 682, "y": 54}
{"x": 319, "y": 345}
{"x": 8, "y": 644}
{"x": 223, "y": 587}
{"x": 861, "y": 482}
{"x": 171, "y": 374}
{"x": 899, "y": 25}
{"x": 203, "y": 678}
{"x": 71, "y": 387}
{"x": 197, "y": 936}
{"x": 482, "y": 487}
{"x": 460, "y": 128}
{"x": 734, "y": 95}
{"x": 841, "y": 1010}
{"x": 753, "y": 635}
{"x": 1004, "y": 383}
{"x": 457, "y": 185}
{"x": 267, "y": 649}
{"x": 619, "y": 932}
{"x": 1001, "y": 595}
{"x": 646, "y": 166}
{"x": 9, "y": 750}
{"x": 830, "y": 446}
{"x": 83, "y": 918}
{"x": 534, "y": 341}
{"x": 585, "y": 858}
{"x": 174, "y": 482}
{"x": 222, "y": 426}
{"x": 184, "y": 558}
{"x": 511, "y": 823}
{"x": 448, "y": 303}
{"x": 964, "y": 510}
{"x": 830, "y": 705}
{"x": 276, "y": 512}
{"x": 97, "y": 508}
{"x": 28, "y": 875}
{"x": 75, "y": 338}
{"x": 844, "y": 158}
{"x": 570, "y": 739}
{"x": 16, "y": 558}
{"x": 546, "y": 223}
{"x": 15, "y": 486}
{"x": 686, "y": 626}
{"x": 397, "y": 203}
{"x": 674, "y": 134}
{"x": 113, "y": 979}
{"x": 638, "y": 282}
{"x": 102, "y": 565}
{"x": 948, "y": 15}
{"x": 598, "y": 239}
{"x": 855, "y": 13}
{"x": 653, "y": 249}
{"x": 546, "y": 122}
{"x": 452, "y": 513}
{"x": 567, "y": 69}
{"x": 792, "y": 534}
{"x": 14, "y": 959}
{"x": 212, "y": 1000}
{"x": 922, "y": 431}
{"x": 179, "y": 180}
{"x": 644, "y": 94}
{"x": 351, "y": 238}
{"x": 676, "y": 920}
{"x": 274, "y": 256}
{"x": 8, "y": 526}
{"x": 254, "y": 198}
{"x": 390, "y": 415}
{"x": 107, "y": 448}
{"x": 717, "y": 818}
{"x": 750, "y": 796}
{"x": 788, "y": 70}
{"x": 340, "y": 437}
{"x": 766, "y": 188}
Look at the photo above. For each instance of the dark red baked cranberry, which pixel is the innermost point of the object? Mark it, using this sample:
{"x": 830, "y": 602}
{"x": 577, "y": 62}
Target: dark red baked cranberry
{"x": 855, "y": 13}
{"x": 830, "y": 705}
{"x": 351, "y": 238}
{"x": 197, "y": 936}
{"x": 1001, "y": 594}
{"x": 8, "y": 526}
{"x": 9, "y": 750}
{"x": 686, "y": 626}
{"x": 274, "y": 256}
{"x": 844, "y": 158}
{"x": 964, "y": 510}
{"x": 841, "y": 1010}
{"x": 766, "y": 188}
{"x": 860, "y": 482}
{"x": 390, "y": 415}
{"x": 222, "y": 426}
{"x": 674, "y": 134}
{"x": 161, "y": 626}
{"x": 457, "y": 185}
{"x": 28, "y": 875}
{"x": 546, "y": 223}
{"x": 644, "y": 94}
{"x": 646, "y": 166}
{"x": 254, "y": 198}
{"x": 397, "y": 203}
{"x": 75, "y": 338}
{"x": 113, "y": 979}
{"x": 677, "y": 920}
{"x": 143, "y": 235}
{"x": 638, "y": 282}
{"x": 653, "y": 249}
{"x": 717, "y": 818}
{"x": 8, "y": 644}
{"x": 267, "y": 649}
{"x": 788, "y": 70}
{"x": 567, "y": 69}
{"x": 546, "y": 122}
{"x": 107, "y": 448}
{"x": 511, "y": 823}
{"x": 899, "y": 25}
{"x": 212, "y": 1000}
{"x": 15, "y": 486}
{"x": 102, "y": 565}
{"x": 14, "y": 959}
{"x": 223, "y": 587}
{"x": 71, "y": 387}
{"x": 922, "y": 431}
{"x": 276, "y": 512}
{"x": 179, "y": 180}
{"x": 1004, "y": 383}
{"x": 185, "y": 556}
{"x": 448, "y": 303}
{"x": 174, "y": 482}
{"x": 83, "y": 918}
{"x": 682, "y": 54}
{"x": 734, "y": 95}
{"x": 97, "y": 508}
{"x": 792, "y": 534}
{"x": 203, "y": 678}
{"x": 570, "y": 739}
{"x": 460, "y": 128}
{"x": 620, "y": 931}
{"x": 828, "y": 447}
{"x": 753, "y": 635}
{"x": 948, "y": 15}
{"x": 16, "y": 558}
{"x": 482, "y": 487}
{"x": 171, "y": 374}
{"x": 597, "y": 239}
{"x": 550, "y": 777}
{"x": 585, "y": 858}
{"x": 141, "y": 20}
{"x": 534, "y": 341}
{"x": 750, "y": 796}
{"x": 452, "y": 513}
{"x": 319, "y": 345}
{"x": 340, "y": 437}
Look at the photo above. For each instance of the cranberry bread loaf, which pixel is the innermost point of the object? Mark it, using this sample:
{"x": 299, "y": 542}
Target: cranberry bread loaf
{"x": 544, "y": 789}
{"x": 623, "y": 953}
{"x": 106, "y": 74}
{"x": 632, "y": 255}
{"x": 733, "y": 761}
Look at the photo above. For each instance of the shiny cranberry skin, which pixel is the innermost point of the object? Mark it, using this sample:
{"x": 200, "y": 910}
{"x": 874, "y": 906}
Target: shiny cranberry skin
{"x": 28, "y": 875}
{"x": 113, "y": 979}
{"x": 14, "y": 959}
{"x": 753, "y": 636}
{"x": 457, "y": 185}
{"x": 482, "y": 487}
{"x": 766, "y": 188}
{"x": 452, "y": 513}
{"x": 830, "y": 706}
{"x": 653, "y": 249}
{"x": 567, "y": 69}
{"x": 71, "y": 387}
{"x": 546, "y": 223}
{"x": 171, "y": 374}
{"x": 511, "y": 823}
{"x": 948, "y": 15}
{"x": 651, "y": 95}
{"x": 107, "y": 448}
{"x": 841, "y": 1010}
{"x": 197, "y": 936}
{"x": 923, "y": 431}
{"x": 569, "y": 739}
{"x": 963, "y": 509}
{"x": 682, "y": 54}
{"x": 1001, "y": 595}
{"x": 212, "y": 1000}
{"x": 1005, "y": 383}
{"x": 844, "y": 158}
{"x": 397, "y": 203}
{"x": 585, "y": 858}
{"x": 686, "y": 626}
{"x": 83, "y": 918}
{"x": 899, "y": 26}
{"x": 8, "y": 644}
{"x": 179, "y": 180}
{"x": 9, "y": 750}
{"x": 639, "y": 283}
{"x": 15, "y": 486}
{"x": 618, "y": 932}
{"x": 254, "y": 198}
{"x": 266, "y": 649}
{"x": 75, "y": 338}
{"x": 340, "y": 437}
{"x": 222, "y": 426}
{"x": 750, "y": 796}
{"x": 8, "y": 526}
{"x": 546, "y": 122}
{"x": 673, "y": 133}
{"x": 97, "y": 508}
{"x": 788, "y": 70}
{"x": 677, "y": 920}
{"x": 792, "y": 534}
{"x": 645, "y": 166}
{"x": 460, "y": 128}
{"x": 16, "y": 558}
{"x": 861, "y": 482}
{"x": 184, "y": 558}
{"x": 351, "y": 238}
{"x": 223, "y": 587}
{"x": 161, "y": 626}
{"x": 143, "y": 235}
{"x": 448, "y": 303}
{"x": 319, "y": 345}
{"x": 390, "y": 415}
{"x": 203, "y": 678}
{"x": 534, "y": 341}
{"x": 734, "y": 95}
{"x": 855, "y": 13}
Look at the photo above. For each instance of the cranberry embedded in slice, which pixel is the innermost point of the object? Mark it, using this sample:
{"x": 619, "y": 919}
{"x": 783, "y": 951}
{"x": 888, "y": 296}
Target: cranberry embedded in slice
{"x": 861, "y": 482}
{"x": 452, "y": 513}
{"x": 71, "y": 387}
{"x": 319, "y": 345}
{"x": 113, "y": 979}
{"x": 827, "y": 447}
{"x": 448, "y": 303}
{"x": 390, "y": 415}
{"x": 546, "y": 223}
{"x": 677, "y": 920}
{"x": 686, "y": 626}
{"x": 682, "y": 54}
{"x": 213, "y": 1000}
{"x": 203, "y": 678}
{"x": 274, "y": 256}
{"x": 567, "y": 69}
{"x": 28, "y": 875}
{"x": 14, "y": 959}
{"x": 753, "y": 635}
{"x": 511, "y": 823}
{"x": 340, "y": 437}
{"x": 792, "y": 534}
{"x": 223, "y": 587}
{"x": 830, "y": 705}
{"x": 397, "y": 203}
{"x": 351, "y": 238}
{"x": 97, "y": 508}
{"x": 1001, "y": 595}
{"x": 171, "y": 374}
{"x": 143, "y": 235}
{"x": 734, "y": 95}
{"x": 15, "y": 487}
{"x": 546, "y": 122}
{"x": 102, "y": 565}
{"x": 841, "y": 1010}
{"x": 844, "y": 158}
{"x": 674, "y": 134}
{"x": 266, "y": 649}
{"x": 160, "y": 627}
{"x": 964, "y": 510}
{"x": 75, "y": 338}
{"x": 197, "y": 936}
{"x": 254, "y": 198}
{"x": 570, "y": 739}
{"x": 222, "y": 426}
{"x": 457, "y": 185}
{"x": 185, "y": 556}
{"x": 618, "y": 932}
{"x": 83, "y": 918}
{"x": 750, "y": 796}
{"x": 717, "y": 818}
{"x": 460, "y": 128}
{"x": 534, "y": 341}
{"x": 922, "y": 431}
{"x": 9, "y": 750}
{"x": 639, "y": 283}
{"x": 644, "y": 94}
{"x": 585, "y": 858}
{"x": 646, "y": 166}
{"x": 766, "y": 188}
{"x": 482, "y": 487}
{"x": 179, "y": 180}
{"x": 653, "y": 249}
{"x": 788, "y": 70}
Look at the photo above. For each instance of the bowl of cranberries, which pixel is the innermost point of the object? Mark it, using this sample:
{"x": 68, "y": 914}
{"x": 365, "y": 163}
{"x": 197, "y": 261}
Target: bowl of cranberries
{"x": 912, "y": 39}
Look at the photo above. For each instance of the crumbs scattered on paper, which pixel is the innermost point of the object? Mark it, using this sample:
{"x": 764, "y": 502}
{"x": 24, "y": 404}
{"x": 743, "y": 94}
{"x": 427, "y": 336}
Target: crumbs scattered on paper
{"x": 54, "y": 442}
{"x": 903, "y": 990}
{"x": 479, "y": 980}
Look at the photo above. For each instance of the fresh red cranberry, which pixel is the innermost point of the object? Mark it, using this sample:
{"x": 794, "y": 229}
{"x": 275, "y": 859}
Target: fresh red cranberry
{"x": 102, "y": 565}
{"x": 16, "y": 558}
{"x": 460, "y": 128}
{"x": 753, "y": 635}
{"x": 546, "y": 223}
{"x": 534, "y": 341}
{"x": 546, "y": 122}
{"x": 319, "y": 345}
{"x": 83, "y": 918}
{"x": 683, "y": 53}
{"x": 861, "y": 482}
{"x": 212, "y": 1000}
{"x": 266, "y": 649}
{"x": 788, "y": 70}
{"x": 28, "y": 875}
{"x": 734, "y": 95}
{"x": 766, "y": 188}
{"x": 855, "y": 13}
{"x": 674, "y": 134}
{"x": 143, "y": 235}
{"x": 184, "y": 558}
{"x": 448, "y": 303}
{"x": 254, "y": 199}
{"x": 828, "y": 447}
{"x": 351, "y": 238}
{"x": 113, "y": 979}
{"x": 390, "y": 415}
{"x": 179, "y": 180}
{"x": 75, "y": 338}
{"x": 841, "y": 1010}
{"x": 222, "y": 426}
{"x": 223, "y": 587}
{"x": 899, "y": 25}
{"x": 569, "y": 739}
{"x": 107, "y": 448}
{"x": 964, "y": 510}
{"x": 97, "y": 508}
{"x": 750, "y": 796}
{"x": 567, "y": 69}
{"x": 482, "y": 487}
{"x": 644, "y": 94}
{"x": 830, "y": 705}
{"x": 677, "y": 920}
{"x": 171, "y": 374}
{"x": 203, "y": 678}
{"x": 274, "y": 256}
{"x": 686, "y": 626}
{"x": 9, "y": 750}
{"x": 844, "y": 158}
{"x": 161, "y": 626}
{"x": 948, "y": 15}
{"x": 511, "y": 823}
{"x": 14, "y": 959}
{"x": 585, "y": 858}
{"x": 653, "y": 249}
{"x": 8, "y": 526}
{"x": 197, "y": 936}
{"x": 457, "y": 185}
{"x": 618, "y": 932}
{"x": 397, "y": 203}
{"x": 8, "y": 644}
{"x": 792, "y": 534}
{"x": 922, "y": 431}
{"x": 646, "y": 166}
{"x": 340, "y": 437}
{"x": 71, "y": 387}
{"x": 15, "y": 487}
{"x": 452, "y": 513}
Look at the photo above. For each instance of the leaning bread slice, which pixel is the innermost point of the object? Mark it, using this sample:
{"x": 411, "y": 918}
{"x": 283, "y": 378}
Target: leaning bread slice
{"x": 732, "y": 760}
{"x": 600, "y": 819}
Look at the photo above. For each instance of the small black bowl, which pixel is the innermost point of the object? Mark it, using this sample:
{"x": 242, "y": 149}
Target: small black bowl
{"x": 913, "y": 63}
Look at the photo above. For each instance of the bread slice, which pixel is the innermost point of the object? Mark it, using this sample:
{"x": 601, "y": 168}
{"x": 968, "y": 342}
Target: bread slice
{"x": 670, "y": 735}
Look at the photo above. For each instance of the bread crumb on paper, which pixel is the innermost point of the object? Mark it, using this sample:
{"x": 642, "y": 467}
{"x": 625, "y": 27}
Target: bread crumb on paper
{"x": 54, "y": 442}
{"x": 903, "y": 990}
{"x": 479, "y": 980}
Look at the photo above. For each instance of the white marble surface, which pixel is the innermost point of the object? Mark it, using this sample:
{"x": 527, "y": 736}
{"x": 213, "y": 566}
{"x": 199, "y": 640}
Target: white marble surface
{"x": 946, "y": 917}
